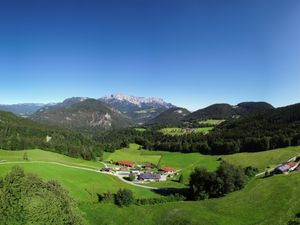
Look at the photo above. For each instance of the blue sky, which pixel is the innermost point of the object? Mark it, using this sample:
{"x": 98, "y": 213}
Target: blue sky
{"x": 191, "y": 53}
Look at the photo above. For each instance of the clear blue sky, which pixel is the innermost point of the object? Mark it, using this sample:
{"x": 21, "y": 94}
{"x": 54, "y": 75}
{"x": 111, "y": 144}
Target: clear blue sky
{"x": 191, "y": 53}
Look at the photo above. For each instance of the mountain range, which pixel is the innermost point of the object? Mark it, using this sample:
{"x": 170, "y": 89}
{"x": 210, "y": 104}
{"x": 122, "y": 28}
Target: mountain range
{"x": 24, "y": 109}
{"x": 118, "y": 111}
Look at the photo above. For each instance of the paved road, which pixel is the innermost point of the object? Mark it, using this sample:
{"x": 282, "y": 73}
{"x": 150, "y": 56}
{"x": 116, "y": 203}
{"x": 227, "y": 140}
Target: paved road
{"x": 84, "y": 168}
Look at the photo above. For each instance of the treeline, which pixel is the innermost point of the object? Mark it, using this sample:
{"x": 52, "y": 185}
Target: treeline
{"x": 277, "y": 128}
{"x": 125, "y": 197}
{"x": 19, "y": 133}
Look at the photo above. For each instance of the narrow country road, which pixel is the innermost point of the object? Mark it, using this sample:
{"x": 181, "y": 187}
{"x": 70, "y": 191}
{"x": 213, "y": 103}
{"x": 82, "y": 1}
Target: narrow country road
{"x": 83, "y": 168}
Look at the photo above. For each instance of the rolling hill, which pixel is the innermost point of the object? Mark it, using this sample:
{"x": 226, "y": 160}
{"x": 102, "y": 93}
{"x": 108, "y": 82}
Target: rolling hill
{"x": 170, "y": 117}
{"x": 82, "y": 114}
{"x": 225, "y": 111}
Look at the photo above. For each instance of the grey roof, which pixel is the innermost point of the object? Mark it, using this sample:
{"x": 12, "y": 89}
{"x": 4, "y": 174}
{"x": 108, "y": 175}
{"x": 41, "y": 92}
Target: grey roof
{"x": 283, "y": 168}
{"x": 148, "y": 176}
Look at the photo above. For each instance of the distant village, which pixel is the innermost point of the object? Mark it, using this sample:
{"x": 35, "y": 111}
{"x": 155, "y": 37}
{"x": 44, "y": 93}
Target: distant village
{"x": 146, "y": 172}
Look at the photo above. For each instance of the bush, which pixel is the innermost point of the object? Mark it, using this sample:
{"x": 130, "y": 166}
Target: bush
{"x": 250, "y": 171}
{"x": 124, "y": 197}
{"x": 131, "y": 177}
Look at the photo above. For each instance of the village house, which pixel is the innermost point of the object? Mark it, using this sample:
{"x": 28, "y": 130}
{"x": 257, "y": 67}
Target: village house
{"x": 125, "y": 163}
{"x": 168, "y": 170}
{"x": 286, "y": 167}
{"x": 149, "y": 177}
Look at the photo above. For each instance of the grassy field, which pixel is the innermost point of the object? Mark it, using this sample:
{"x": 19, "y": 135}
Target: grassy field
{"x": 266, "y": 201}
{"x": 132, "y": 154}
{"x": 83, "y": 185}
{"x": 181, "y": 131}
{"x": 263, "y": 201}
{"x": 40, "y": 155}
{"x": 203, "y": 130}
{"x": 211, "y": 122}
{"x": 262, "y": 160}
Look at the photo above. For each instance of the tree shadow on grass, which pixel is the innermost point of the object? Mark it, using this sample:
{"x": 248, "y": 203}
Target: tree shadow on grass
{"x": 172, "y": 191}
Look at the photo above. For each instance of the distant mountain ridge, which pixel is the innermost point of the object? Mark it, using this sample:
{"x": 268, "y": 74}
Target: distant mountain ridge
{"x": 139, "y": 109}
{"x": 227, "y": 111}
{"x": 23, "y": 109}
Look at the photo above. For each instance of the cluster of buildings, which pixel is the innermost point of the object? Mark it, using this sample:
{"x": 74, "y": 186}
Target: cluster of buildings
{"x": 288, "y": 166}
{"x": 142, "y": 173}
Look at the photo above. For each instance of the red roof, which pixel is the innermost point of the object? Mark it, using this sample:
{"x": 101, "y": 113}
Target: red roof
{"x": 167, "y": 169}
{"x": 126, "y": 163}
{"x": 292, "y": 164}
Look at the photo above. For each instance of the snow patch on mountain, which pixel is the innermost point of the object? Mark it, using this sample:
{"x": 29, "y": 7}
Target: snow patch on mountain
{"x": 136, "y": 100}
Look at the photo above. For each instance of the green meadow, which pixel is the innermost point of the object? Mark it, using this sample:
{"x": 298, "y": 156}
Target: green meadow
{"x": 263, "y": 160}
{"x": 82, "y": 185}
{"x": 40, "y": 155}
{"x": 211, "y": 122}
{"x": 263, "y": 201}
{"x": 273, "y": 200}
{"x": 181, "y": 131}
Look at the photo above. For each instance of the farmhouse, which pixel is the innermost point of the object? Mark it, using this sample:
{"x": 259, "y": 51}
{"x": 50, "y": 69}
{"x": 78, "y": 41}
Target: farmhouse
{"x": 125, "y": 163}
{"x": 167, "y": 170}
{"x": 286, "y": 167}
{"x": 149, "y": 177}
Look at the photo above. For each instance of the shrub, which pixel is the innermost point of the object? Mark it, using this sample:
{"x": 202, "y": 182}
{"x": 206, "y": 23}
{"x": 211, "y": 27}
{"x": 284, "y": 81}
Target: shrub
{"x": 131, "y": 177}
{"x": 250, "y": 171}
{"x": 124, "y": 197}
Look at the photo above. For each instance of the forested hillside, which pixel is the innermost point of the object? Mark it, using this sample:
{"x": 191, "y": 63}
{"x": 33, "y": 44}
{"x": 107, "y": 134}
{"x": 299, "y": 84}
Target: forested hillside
{"x": 274, "y": 128}
{"x": 226, "y": 111}
{"x": 18, "y": 133}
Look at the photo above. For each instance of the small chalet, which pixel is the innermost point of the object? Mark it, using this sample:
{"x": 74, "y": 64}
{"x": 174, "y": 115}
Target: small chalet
{"x": 149, "y": 177}
{"x": 125, "y": 163}
{"x": 167, "y": 170}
